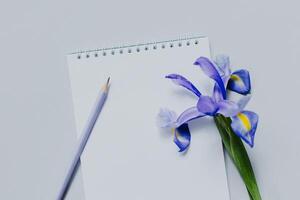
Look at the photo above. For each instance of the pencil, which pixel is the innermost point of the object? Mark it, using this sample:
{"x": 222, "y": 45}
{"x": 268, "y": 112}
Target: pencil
{"x": 84, "y": 138}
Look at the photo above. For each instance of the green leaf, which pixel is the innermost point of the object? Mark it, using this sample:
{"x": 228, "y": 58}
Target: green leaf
{"x": 237, "y": 152}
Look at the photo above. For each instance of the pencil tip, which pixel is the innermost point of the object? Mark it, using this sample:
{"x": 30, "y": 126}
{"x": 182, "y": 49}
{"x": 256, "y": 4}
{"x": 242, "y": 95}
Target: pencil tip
{"x": 107, "y": 85}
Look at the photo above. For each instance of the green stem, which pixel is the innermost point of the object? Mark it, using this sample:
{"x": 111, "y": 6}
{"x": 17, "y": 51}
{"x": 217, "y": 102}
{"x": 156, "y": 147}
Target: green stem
{"x": 238, "y": 154}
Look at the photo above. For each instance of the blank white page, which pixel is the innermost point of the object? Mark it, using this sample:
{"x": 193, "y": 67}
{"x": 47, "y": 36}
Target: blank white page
{"x": 128, "y": 156}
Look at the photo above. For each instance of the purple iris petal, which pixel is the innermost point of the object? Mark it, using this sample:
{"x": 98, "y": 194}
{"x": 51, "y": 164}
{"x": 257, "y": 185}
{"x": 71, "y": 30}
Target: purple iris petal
{"x": 244, "y": 125}
{"x": 217, "y": 95}
{"x": 223, "y": 63}
{"x": 188, "y": 115}
{"x": 182, "y": 81}
{"x": 166, "y": 118}
{"x": 210, "y": 70}
{"x": 240, "y": 82}
{"x": 182, "y": 137}
{"x": 243, "y": 101}
{"x": 228, "y": 108}
{"x": 207, "y": 105}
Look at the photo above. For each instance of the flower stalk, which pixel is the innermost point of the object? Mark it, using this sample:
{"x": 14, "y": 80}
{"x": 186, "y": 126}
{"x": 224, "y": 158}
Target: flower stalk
{"x": 238, "y": 154}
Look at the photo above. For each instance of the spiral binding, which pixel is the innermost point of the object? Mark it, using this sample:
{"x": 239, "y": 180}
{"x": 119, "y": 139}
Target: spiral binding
{"x": 130, "y": 49}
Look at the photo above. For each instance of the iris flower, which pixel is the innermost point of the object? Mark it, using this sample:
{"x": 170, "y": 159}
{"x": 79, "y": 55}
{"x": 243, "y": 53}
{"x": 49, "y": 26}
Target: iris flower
{"x": 243, "y": 122}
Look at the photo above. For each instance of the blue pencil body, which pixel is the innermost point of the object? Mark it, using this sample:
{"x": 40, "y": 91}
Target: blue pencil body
{"x": 84, "y": 138}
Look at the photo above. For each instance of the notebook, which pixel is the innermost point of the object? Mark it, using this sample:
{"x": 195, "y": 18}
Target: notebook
{"x": 128, "y": 156}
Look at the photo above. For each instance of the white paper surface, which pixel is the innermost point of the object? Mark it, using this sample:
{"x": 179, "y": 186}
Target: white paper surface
{"x": 128, "y": 156}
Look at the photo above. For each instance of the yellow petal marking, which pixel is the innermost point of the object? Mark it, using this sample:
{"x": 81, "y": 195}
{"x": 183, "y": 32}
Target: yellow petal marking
{"x": 235, "y": 77}
{"x": 245, "y": 121}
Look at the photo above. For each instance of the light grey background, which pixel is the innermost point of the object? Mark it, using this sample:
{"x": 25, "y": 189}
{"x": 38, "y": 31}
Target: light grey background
{"x": 37, "y": 124}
